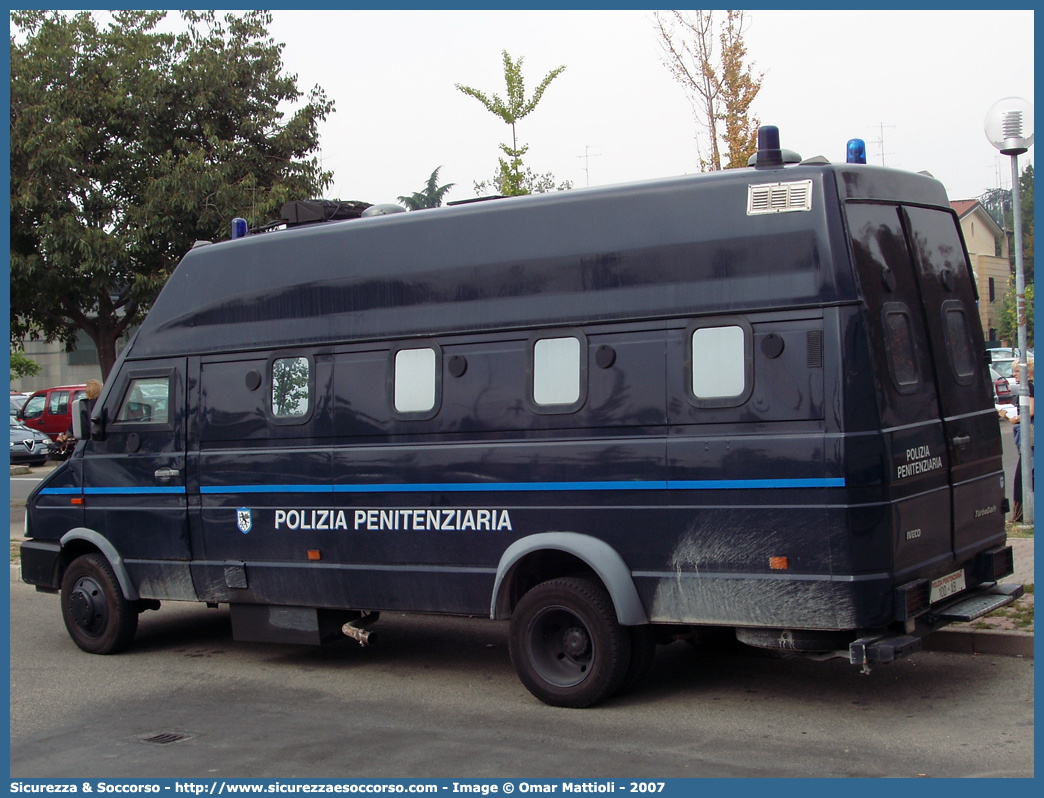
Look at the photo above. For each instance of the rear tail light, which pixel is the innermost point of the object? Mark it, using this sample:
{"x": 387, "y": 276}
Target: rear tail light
{"x": 912, "y": 599}
{"x": 995, "y": 564}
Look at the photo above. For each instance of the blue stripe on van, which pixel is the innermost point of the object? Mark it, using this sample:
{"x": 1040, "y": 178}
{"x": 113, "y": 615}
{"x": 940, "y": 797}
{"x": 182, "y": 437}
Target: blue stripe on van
{"x": 743, "y": 484}
{"x": 487, "y": 487}
{"x": 471, "y": 487}
{"x": 110, "y": 491}
{"x": 132, "y": 491}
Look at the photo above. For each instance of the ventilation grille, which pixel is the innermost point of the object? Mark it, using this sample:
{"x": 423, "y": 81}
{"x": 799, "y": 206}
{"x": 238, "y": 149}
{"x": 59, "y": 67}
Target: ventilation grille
{"x": 814, "y": 340}
{"x": 779, "y": 197}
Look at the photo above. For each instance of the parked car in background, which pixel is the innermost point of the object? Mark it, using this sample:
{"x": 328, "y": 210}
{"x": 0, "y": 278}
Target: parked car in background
{"x": 1002, "y": 353}
{"x": 1005, "y": 367}
{"x": 1002, "y": 394}
{"x": 17, "y": 400}
{"x": 28, "y": 446}
{"x": 50, "y": 410}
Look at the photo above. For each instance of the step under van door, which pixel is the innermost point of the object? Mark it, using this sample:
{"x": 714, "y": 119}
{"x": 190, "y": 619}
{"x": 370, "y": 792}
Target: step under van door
{"x": 965, "y": 397}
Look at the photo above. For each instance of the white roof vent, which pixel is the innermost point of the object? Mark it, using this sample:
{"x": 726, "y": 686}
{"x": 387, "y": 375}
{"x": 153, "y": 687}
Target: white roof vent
{"x": 779, "y": 197}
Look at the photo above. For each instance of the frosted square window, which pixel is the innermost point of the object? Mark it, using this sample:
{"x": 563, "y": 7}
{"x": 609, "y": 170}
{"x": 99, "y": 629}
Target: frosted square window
{"x": 718, "y": 364}
{"x": 556, "y": 371}
{"x": 414, "y": 380}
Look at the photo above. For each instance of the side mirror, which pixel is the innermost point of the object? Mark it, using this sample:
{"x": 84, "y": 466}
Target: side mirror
{"x": 98, "y": 424}
{"x": 79, "y": 416}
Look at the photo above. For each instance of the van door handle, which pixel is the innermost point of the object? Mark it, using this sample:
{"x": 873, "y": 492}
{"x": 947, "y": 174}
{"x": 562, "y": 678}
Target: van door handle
{"x": 961, "y": 441}
{"x": 166, "y": 473}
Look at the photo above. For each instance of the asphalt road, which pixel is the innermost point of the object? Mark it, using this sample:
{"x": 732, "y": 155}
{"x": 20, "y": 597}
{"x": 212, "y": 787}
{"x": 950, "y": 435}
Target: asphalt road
{"x": 437, "y": 697}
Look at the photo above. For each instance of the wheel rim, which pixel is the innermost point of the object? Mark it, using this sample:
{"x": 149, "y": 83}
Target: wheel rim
{"x": 88, "y": 608}
{"x": 561, "y": 647}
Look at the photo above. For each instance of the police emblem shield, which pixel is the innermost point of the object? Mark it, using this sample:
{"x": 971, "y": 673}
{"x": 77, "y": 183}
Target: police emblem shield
{"x": 244, "y": 519}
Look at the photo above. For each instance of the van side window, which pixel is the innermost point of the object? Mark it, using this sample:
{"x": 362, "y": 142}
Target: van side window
{"x": 291, "y": 382}
{"x": 958, "y": 340}
{"x": 557, "y": 372}
{"x": 415, "y": 381}
{"x": 59, "y": 403}
{"x": 902, "y": 361}
{"x": 720, "y": 365}
{"x": 147, "y": 401}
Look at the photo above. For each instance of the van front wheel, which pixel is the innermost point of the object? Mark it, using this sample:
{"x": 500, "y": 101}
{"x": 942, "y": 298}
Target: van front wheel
{"x": 566, "y": 645}
{"x": 99, "y": 619}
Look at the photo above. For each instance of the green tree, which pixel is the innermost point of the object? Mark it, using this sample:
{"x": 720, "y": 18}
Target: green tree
{"x": 430, "y": 197}
{"x": 718, "y": 81}
{"x": 1008, "y": 325}
{"x": 739, "y": 87}
{"x": 127, "y": 145}
{"x": 21, "y": 366}
{"x": 1026, "y": 204}
{"x": 513, "y": 178}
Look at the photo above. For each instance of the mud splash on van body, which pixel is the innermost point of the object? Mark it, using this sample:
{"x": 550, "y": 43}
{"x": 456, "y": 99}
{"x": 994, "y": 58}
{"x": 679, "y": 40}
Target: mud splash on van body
{"x": 720, "y": 575}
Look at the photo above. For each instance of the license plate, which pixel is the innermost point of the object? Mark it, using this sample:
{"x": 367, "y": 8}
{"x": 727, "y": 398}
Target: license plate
{"x": 947, "y": 586}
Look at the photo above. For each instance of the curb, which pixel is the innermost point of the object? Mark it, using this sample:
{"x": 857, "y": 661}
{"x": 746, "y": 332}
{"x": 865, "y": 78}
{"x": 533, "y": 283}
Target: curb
{"x": 19, "y": 471}
{"x": 980, "y": 641}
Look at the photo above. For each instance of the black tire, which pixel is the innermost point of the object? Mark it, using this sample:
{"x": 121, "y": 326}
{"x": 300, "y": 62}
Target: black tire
{"x": 99, "y": 619}
{"x": 566, "y": 645}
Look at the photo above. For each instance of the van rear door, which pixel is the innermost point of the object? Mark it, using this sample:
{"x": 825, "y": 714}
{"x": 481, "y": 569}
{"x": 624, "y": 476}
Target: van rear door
{"x": 940, "y": 426}
{"x": 962, "y": 379}
{"x": 910, "y": 417}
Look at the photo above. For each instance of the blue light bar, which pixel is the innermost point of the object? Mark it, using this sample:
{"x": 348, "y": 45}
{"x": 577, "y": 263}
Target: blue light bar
{"x": 239, "y": 228}
{"x": 856, "y": 151}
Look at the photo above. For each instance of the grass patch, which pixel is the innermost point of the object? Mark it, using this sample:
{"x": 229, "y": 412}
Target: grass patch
{"x": 1018, "y": 530}
{"x": 15, "y": 552}
{"x": 1018, "y": 615}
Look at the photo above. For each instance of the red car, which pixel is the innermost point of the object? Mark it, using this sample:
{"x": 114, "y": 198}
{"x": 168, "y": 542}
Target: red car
{"x": 50, "y": 410}
{"x": 1001, "y": 388}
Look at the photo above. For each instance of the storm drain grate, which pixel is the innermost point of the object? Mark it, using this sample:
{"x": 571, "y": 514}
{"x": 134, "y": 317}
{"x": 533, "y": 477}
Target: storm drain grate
{"x": 164, "y": 738}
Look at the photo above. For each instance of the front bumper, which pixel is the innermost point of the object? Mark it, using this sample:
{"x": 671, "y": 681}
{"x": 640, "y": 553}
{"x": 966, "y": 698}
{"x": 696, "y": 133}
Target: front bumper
{"x": 40, "y": 563}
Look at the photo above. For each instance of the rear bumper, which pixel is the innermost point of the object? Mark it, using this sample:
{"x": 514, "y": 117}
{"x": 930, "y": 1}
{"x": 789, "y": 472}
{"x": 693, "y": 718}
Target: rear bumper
{"x": 912, "y": 599}
{"x": 963, "y": 608}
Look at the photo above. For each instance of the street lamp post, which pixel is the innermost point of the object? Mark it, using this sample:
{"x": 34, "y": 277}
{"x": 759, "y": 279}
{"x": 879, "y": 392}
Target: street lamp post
{"x": 1009, "y": 127}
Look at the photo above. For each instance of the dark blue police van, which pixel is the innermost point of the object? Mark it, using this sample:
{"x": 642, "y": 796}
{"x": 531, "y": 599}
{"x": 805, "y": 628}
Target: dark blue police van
{"x": 753, "y": 400}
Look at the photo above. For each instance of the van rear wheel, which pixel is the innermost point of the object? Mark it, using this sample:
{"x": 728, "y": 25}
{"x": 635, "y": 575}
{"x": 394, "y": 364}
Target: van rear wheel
{"x": 566, "y": 645}
{"x": 99, "y": 619}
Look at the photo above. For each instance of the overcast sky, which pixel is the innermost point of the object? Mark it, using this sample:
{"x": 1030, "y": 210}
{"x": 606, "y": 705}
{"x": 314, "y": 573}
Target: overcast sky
{"x": 921, "y": 82}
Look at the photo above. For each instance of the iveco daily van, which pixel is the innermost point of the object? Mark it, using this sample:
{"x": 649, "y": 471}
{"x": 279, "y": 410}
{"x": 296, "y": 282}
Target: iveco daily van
{"x": 754, "y": 400}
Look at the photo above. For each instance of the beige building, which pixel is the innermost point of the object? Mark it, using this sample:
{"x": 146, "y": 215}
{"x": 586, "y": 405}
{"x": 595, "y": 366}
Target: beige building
{"x": 58, "y": 367}
{"x": 988, "y": 249}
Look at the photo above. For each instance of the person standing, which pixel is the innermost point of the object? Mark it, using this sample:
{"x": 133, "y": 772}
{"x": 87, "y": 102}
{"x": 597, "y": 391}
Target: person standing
{"x": 1016, "y": 491}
